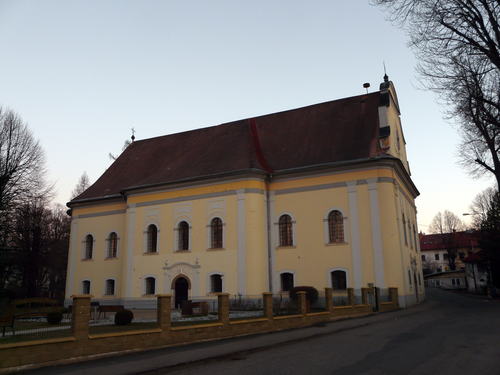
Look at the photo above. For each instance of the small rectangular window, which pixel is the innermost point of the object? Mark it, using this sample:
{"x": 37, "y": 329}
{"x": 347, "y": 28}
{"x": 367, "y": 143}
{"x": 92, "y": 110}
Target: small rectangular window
{"x": 436, "y": 256}
{"x": 216, "y": 283}
{"x": 286, "y": 281}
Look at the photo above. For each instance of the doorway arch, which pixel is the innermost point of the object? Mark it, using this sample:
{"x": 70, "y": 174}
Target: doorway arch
{"x": 181, "y": 290}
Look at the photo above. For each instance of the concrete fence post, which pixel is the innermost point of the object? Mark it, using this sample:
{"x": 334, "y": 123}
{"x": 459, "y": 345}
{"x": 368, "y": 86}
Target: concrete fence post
{"x": 80, "y": 317}
{"x": 393, "y": 294}
{"x": 164, "y": 310}
{"x": 268, "y": 305}
{"x": 223, "y": 302}
{"x": 301, "y": 300}
{"x": 328, "y": 299}
{"x": 350, "y": 296}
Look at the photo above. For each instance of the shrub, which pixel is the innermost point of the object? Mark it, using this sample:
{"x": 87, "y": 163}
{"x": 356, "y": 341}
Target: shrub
{"x": 123, "y": 317}
{"x": 54, "y": 317}
{"x": 64, "y": 310}
{"x": 311, "y": 293}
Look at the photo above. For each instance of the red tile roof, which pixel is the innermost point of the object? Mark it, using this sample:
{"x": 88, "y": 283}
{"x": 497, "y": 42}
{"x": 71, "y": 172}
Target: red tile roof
{"x": 434, "y": 242}
{"x": 473, "y": 258}
{"x": 335, "y": 131}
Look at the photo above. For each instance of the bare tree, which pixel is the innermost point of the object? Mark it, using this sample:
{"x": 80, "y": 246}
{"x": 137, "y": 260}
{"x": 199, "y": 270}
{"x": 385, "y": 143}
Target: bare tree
{"x": 449, "y": 227}
{"x": 82, "y": 185}
{"x": 428, "y": 266}
{"x": 38, "y": 245}
{"x": 22, "y": 179}
{"x": 22, "y": 162}
{"x": 481, "y": 205}
{"x": 125, "y": 145}
{"x": 457, "y": 43}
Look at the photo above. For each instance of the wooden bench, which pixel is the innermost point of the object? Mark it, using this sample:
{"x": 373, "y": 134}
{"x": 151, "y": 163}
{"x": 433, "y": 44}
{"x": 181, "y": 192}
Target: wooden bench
{"x": 27, "y": 307}
{"x": 201, "y": 306}
{"x": 7, "y": 321}
{"x": 109, "y": 308}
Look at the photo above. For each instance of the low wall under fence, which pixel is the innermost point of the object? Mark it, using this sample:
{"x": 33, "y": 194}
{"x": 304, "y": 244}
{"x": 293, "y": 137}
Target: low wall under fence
{"x": 80, "y": 343}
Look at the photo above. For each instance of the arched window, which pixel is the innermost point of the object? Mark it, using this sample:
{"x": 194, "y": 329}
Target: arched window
{"x": 85, "y": 287}
{"x": 110, "y": 287}
{"x": 216, "y": 233}
{"x": 339, "y": 280}
{"x": 286, "y": 280}
{"x": 112, "y": 248}
{"x": 152, "y": 239}
{"x": 286, "y": 230}
{"x": 216, "y": 283}
{"x": 149, "y": 285}
{"x": 336, "y": 227}
{"x": 89, "y": 247}
{"x": 183, "y": 236}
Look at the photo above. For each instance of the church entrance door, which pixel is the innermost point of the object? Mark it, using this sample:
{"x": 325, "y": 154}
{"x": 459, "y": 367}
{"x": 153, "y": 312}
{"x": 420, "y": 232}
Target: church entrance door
{"x": 181, "y": 291}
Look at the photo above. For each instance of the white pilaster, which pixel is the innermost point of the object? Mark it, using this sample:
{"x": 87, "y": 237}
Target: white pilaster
{"x": 378, "y": 252}
{"x": 72, "y": 258}
{"x": 130, "y": 251}
{"x": 272, "y": 250}
{"x": 357, "y": 269}
{"x": 242, "y": 267}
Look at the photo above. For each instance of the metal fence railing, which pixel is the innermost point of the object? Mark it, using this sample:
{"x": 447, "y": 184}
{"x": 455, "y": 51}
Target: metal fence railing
{"x": 245, "y": 306}
{"x": 384, "y": 295}
{"x": 34, "y": 321}
{"x": 283, "y": 305}
{"x": 103, "y": 314}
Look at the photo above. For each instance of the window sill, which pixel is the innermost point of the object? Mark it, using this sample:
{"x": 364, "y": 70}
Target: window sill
{"x": 216, "y": 249}
{"x": 87, "y": 260}
{"x": 182, "y": 251}
{"x": 111, "y": 258}
{"x": 150, "y": 253}
{"x": 336, "y": 243}
{"x": 286, "y": 247}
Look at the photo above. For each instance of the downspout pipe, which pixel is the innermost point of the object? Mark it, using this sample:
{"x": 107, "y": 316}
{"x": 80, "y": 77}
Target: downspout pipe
{"x": 259, "y": 154}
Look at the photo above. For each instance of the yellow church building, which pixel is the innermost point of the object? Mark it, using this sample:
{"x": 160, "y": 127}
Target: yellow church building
{"x": 316, "y": 196}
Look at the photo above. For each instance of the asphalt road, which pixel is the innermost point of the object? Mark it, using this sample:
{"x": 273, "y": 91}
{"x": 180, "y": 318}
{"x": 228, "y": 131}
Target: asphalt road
{"x": 447, "y": 334}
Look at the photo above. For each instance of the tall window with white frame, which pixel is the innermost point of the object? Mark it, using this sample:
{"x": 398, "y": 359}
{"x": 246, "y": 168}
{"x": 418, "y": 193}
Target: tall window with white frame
{"x": 85, "y": 287}
{"x": 339, "y": 280}
{"x": 150, "y": 285}
{"x": 183, "y": 232}
{"x": 415, "y": 236}
{"x": 286, "y": 230}
{"x": 409, "y": 233}
{"x": 89, "y": 247}
{"x": 152, "y": 239}
{"x": 336, "y": 227}
{"x": 216, "y": 284}
{"x": 110, "y": 287}
{"x": 404, "y": 229}
{"x": 286, "y": 280}
{"x": 216, "y": 229}
{"x": 112, "y": 249}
